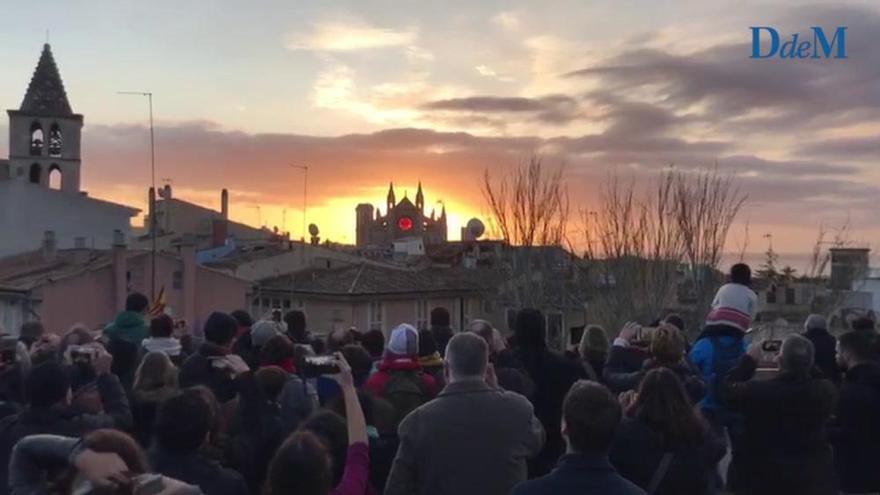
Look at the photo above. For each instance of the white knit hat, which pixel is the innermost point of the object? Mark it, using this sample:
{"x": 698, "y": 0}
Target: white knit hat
{"x": 734, "y": 305}
{"x": 404, "y": 340}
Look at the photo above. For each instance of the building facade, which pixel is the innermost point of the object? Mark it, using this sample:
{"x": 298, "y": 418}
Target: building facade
{"x": 40, "y": 187}
{"x": 402, "y": 220}
{"x": 60, "y": 287}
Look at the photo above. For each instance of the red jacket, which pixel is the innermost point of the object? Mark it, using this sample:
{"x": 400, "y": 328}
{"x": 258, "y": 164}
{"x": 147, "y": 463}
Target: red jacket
{"x": 377, "y": 381}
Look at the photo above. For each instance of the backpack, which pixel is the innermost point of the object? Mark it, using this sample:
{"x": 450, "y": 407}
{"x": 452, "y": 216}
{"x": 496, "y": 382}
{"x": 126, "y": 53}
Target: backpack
{"x": 405, "y": 391}
{"x": 724, "y": 358}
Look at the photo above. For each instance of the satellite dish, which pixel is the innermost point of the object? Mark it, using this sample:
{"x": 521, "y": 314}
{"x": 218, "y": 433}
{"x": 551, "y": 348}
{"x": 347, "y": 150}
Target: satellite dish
{"x": 475, "y": 227}
{"x": 313, "y": 229}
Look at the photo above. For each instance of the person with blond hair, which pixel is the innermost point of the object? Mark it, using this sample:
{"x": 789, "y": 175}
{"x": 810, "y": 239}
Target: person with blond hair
{"x": 668, "y": 351}
{"x": 155, "y": 381}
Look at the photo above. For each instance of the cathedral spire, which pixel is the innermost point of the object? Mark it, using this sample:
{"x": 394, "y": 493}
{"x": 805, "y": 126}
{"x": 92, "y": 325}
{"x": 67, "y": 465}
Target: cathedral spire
{"x": 391, "y": 200}
{"x": 420, "y": 198}
{"x": 45, "y": 94}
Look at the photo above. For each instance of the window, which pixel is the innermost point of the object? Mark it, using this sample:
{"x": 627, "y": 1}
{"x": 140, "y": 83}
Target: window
{"x": 374, "y": 315}
{"x": 771, "y": 295}
{"x": 286, "y": 304}
{"x": 789, "y": 295}
{"x": 177, "y": 280}
{"x": 554, "y": 331}
{"x": 36, "y": 173}
{"x": 422, "y": 314}
{"x": 55, "y": 140}
{"x": 36, "y": 139}
{"x": 55, "y": 177}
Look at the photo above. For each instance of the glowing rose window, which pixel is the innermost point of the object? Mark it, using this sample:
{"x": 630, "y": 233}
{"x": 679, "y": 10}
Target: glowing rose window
{"x": 405, "y": 224}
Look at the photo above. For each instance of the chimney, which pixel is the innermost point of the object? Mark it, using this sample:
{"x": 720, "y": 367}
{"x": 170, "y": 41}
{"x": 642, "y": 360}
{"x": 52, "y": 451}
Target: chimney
{"x": 120, "y": 270}
{"x": 166, "y": 191}
{"x": 224, "y": 204}
{"x": 187, "y": 249}
{"x": 219, "y": 232}
{"x": 151, "y": 210}
{"x": 49, "y": 247}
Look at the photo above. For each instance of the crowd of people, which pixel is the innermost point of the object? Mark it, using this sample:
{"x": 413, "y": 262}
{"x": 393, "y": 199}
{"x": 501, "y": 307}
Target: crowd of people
{"x": 266, "y": 407}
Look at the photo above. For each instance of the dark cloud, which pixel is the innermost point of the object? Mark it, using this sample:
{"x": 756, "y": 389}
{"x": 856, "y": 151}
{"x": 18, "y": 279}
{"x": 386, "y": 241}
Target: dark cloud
{"x": 789, "y": 94}
{"x": 552, "y": 109}
{"x": 859, "y": 148}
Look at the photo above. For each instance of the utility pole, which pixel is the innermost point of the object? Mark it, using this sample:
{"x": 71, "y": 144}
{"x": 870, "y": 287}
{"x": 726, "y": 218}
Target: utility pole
{"x": 149, "y": 96}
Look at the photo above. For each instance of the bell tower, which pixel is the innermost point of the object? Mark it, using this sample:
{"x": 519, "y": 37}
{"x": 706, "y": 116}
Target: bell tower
{"x": 44, "y": 133}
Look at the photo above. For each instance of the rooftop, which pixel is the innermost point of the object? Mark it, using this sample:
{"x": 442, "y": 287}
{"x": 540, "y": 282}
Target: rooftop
{"x": 371, "y": 279}
{"x": 32, "y": 269}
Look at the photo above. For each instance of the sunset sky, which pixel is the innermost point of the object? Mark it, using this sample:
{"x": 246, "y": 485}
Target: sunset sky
{"x": 368, "y": 92}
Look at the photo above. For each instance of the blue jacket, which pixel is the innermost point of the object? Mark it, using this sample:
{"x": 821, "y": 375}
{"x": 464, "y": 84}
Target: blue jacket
{"x": 702, "y": 356}
{"x": 578, "y": 474}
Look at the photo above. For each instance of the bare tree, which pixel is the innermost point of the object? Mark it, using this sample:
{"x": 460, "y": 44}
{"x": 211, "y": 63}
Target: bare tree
{"x": 530, "y": 206}
{"x": 707, "y": 203}
{"x": 633, "y": 249}
{"x": 529, "y": 209}
{"x": 820, "y": 257}
{"x": 659, "y": 248}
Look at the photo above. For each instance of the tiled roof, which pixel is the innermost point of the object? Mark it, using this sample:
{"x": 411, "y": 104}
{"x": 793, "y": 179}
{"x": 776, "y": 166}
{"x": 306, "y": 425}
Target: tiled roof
{"x": 29, "y": 270}
{"x": 367, "y": 279}
{"x": 45, "y": 94}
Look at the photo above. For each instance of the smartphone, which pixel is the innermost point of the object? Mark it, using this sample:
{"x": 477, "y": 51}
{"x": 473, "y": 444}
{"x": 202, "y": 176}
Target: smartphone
{"x": 148, "y": 484}
{"x": 771, "y": 346}
{"x": 316, "y": 366}
{"x": 82, "y": 355}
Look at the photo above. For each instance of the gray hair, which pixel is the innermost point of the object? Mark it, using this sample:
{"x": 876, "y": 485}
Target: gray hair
{"x": 815, "y": 321}
{"x": 797, "y": 355}
{"x": 467, "y": 356}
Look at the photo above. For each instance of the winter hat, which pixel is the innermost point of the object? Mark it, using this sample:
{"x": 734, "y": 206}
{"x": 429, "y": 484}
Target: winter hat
{"x": 734, "y": 306}
{"x": 404, "y": 340}
{"x": 264, "y": 330}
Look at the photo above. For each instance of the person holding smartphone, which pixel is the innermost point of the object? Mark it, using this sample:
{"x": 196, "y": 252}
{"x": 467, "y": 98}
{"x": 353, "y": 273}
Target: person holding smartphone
{"x": 305, "y": 461}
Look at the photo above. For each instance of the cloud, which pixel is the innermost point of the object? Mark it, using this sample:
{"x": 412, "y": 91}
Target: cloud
{"x": 725, "y": 84}
{"x": 507, "y": 20}
{"x": 343, "y": 37}
{"x": 548, "y": 109}
{"x": 487, "y": 71}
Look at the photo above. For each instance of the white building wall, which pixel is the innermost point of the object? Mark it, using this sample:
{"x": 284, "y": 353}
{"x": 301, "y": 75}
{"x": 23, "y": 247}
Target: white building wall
{"x": 27, "y": 211}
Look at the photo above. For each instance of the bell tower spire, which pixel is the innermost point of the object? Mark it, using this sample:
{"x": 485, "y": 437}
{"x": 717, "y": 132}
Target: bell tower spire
{"x": 44, "y": 133}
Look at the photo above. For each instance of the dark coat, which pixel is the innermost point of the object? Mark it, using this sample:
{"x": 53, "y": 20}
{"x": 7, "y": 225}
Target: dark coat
{"x": 783, "y": 447}
{"x": 255, "y": 433}
{"x": 580, "y": 474}
{"x": 471, "y": 439}
{"x": 623, "y": 371}
{"x": 825, "y": 346}
{"x": 196, "y": 469}
{"x": 638, "y": 450}
{"x": 856, "y": 435}
{"x": 199, "y": 370}
{"x": 553, "y": 375}
{"x": 244, "y": 347}
{"x": 64, "y": 421}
